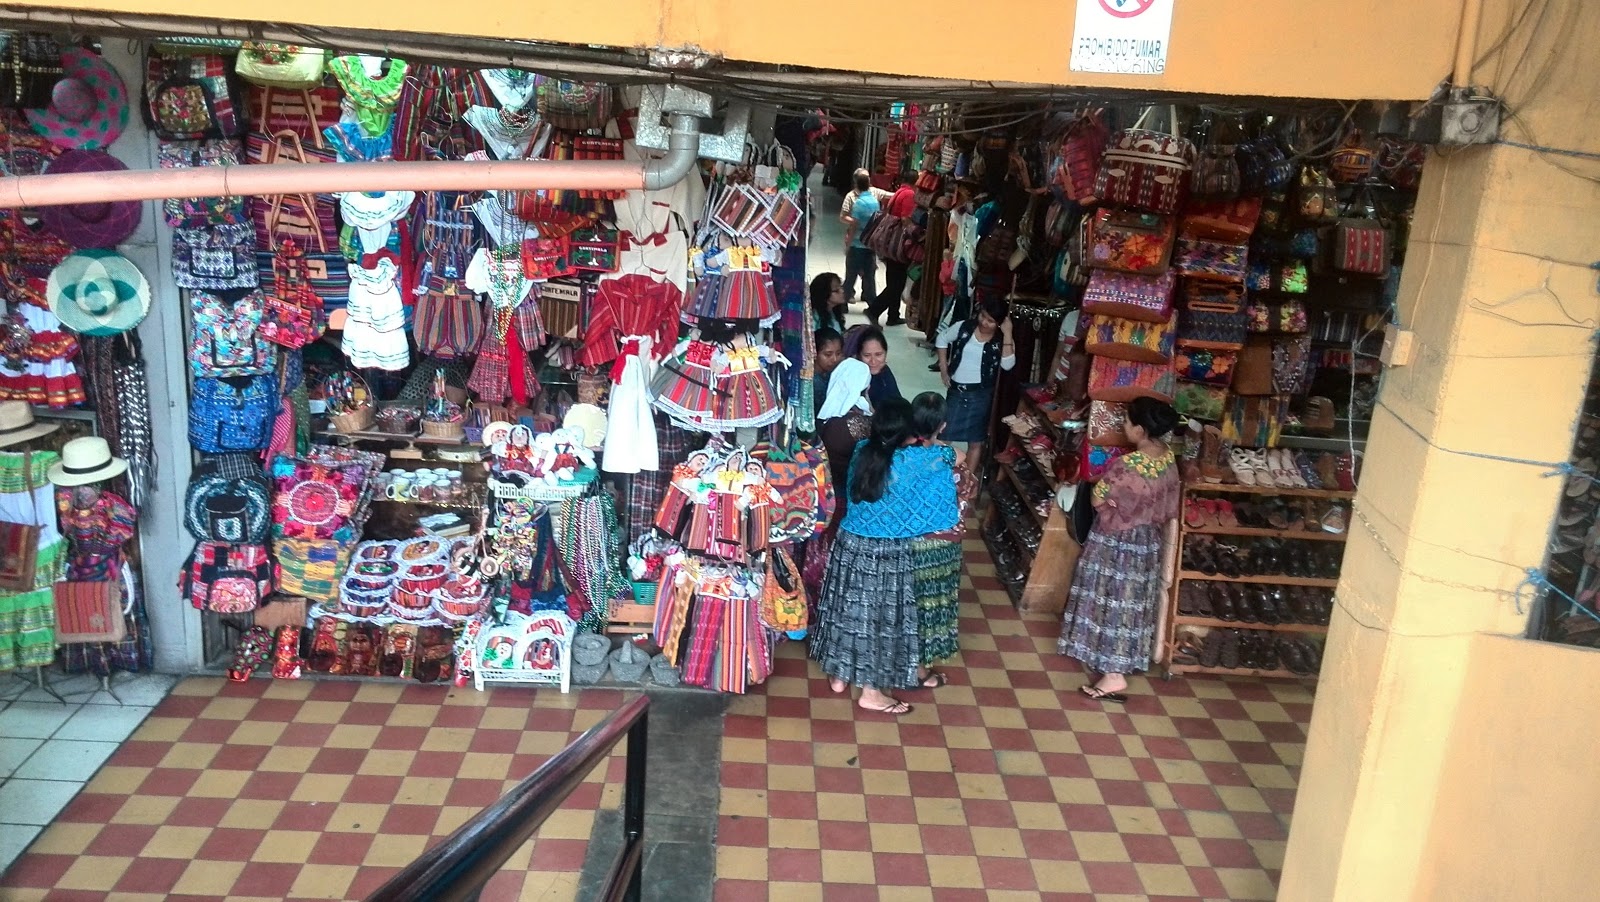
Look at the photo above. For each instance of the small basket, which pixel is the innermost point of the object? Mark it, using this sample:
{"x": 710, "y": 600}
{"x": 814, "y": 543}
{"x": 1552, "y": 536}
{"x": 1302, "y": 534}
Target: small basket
{"x": 644, "y": 592}
{"x": 590, "y": 649}
{"x": 445, "y": 429}
{"x": 358, "y": 420}
{"x": 456, "y": 609}
{"x": 363, "y": 603}
{"x": 396, "y": 419}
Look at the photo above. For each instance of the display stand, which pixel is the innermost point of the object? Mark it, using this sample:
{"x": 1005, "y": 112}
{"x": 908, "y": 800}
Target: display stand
{"x": 538, "y": 651}
{"x": 1173, "y": 620}
{"x": 1051, "y": 560}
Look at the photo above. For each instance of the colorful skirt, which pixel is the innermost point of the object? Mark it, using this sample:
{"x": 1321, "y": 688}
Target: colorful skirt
{"x": 1110, "y": 619}
{"x": 867, "y": 631}
{"x": 938, "y": 579}
{"x": 745, "y": 294}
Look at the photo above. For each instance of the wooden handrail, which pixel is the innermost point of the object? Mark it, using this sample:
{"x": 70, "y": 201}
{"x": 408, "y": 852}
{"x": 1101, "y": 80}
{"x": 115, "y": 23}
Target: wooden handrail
{"x": 459, "y": 866}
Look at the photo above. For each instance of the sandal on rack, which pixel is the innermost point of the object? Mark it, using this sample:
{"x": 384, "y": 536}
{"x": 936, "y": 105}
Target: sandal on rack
{"x": 1243, "y": 466}
{"x": 1224, "y": 514}
{"x": 1194, "y": 513}
{"x": 1334, "y": 520}
{"x": 1280, "y": 474}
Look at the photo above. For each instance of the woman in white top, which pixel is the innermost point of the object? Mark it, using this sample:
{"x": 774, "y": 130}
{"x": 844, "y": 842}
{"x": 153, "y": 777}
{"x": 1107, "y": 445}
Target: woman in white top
{"x": 971, "y": 356}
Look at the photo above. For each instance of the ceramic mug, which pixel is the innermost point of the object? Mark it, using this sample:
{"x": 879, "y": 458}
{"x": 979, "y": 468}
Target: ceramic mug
{"x": 400, "y": 487}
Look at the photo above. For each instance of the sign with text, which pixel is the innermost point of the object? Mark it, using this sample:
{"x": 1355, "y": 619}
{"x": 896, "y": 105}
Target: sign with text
{"x": 1123, "y": 37}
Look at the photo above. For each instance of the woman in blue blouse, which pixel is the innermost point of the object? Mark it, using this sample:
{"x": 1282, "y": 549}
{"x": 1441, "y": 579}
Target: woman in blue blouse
{"x": 868, "y": 633}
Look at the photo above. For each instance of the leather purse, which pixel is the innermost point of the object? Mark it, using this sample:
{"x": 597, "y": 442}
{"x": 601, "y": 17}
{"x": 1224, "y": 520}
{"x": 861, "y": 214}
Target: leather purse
{"x": 1130, "y": 241}
{"x": 1222, "y": 220}
{"x": 1253, "y": 374}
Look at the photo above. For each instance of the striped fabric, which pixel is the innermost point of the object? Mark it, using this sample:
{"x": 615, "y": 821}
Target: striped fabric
{"x": 708, "y": 616}
{"x": 732, "y": 655}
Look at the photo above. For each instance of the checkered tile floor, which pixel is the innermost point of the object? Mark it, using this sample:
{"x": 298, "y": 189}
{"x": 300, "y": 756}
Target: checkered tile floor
{"x": 1005, "y": 784}
{"x": 1008, "y": 784}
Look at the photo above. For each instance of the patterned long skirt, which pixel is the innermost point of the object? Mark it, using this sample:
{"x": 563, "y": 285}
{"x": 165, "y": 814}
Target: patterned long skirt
{"x": 1110, "y": 619}
{"x": 938, "y": 580}
{"x": 867, "y": 631}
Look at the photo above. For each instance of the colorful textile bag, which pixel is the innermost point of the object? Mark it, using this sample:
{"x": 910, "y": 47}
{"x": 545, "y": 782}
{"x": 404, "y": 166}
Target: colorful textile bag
{"x": 226, "y": 337}
{"x": 1264, "y": 167}
{"x": 302, "y": 112}
{"x": 19, "y": 543}
{"x": 310, "y": 219}
{"x": 89, "y": 612}
{"x": 201, "y": 212}
{"x": 1130, "y": 339}
{"x": 1215, "y": 261}
{"x": 1360, "y": 246}
{"x": 1096, "y": 460}
{"x": 1199, "y": 327}
{"x": 1200, "y": 401}
{"x": 228, "y": 500}
{"x": 448, "y": 321}
{"x": 287, "y": 66}
{"x": 190, "y": 98}
{"x": 1079, "y": 160}
{"x": 1211, "y": 366}
{"x": 216, "y": 259}
{"x": 227, "y": 579}
{"x": 233, "y": 414}
{"x": 1124, "y": 380}
{"x": 1223, "y": 220}
{"x": 1132, "y": 296}
{"x": 1130, "y": 241}
{"x": 293, "y": 315}
{"x": 1145, "y": 169}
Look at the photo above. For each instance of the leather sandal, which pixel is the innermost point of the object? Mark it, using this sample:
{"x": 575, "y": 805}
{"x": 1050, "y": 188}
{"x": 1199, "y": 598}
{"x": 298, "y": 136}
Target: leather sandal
{"x": 1211, "y": 651}
{"x": 1243, "y": 466}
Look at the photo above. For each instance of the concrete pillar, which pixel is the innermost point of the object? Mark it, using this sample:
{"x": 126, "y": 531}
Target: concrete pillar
{"x": 163, "y": 542}
{"x": 1456, "y": 499}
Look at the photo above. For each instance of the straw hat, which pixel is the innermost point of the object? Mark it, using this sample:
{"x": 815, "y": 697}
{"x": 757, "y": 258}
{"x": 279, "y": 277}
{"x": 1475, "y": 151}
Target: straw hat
{"x": 98, "y": 292}
{"x": 85, "y": 460}
{"x": 17, "y": 425}
{"x": 102, "y": 224}
{"x": 589, "y": 420}
{"x": 88, "y": 106}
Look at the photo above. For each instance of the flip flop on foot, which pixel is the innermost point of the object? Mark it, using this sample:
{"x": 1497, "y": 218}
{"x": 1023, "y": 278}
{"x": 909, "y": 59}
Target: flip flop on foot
{"x": 895, "y": 708}
{"x": 1100, "y": 695}
{"x": 934, "y": 680}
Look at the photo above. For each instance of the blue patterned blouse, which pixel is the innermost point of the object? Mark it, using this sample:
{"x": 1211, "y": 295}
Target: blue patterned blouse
{"x": 919, "y": 496}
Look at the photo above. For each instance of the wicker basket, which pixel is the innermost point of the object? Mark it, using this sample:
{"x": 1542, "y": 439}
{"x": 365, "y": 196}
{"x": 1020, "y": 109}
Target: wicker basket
{"x": 446, "y": 429}
{"x": 358, "y": 420}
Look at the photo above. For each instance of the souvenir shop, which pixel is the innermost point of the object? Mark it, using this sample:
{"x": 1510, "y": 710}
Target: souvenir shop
{"x": 561, "y": 436}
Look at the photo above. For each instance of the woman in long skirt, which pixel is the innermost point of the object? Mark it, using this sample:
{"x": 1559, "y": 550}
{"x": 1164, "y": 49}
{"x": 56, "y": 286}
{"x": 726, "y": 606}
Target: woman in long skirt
{"x": 938, "y": 555}
{"x": 868, "y": 633}
{"x": 1110, "y": 618}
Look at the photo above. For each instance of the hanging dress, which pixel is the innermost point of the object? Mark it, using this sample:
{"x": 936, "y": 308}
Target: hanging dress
{"x": 375, "y": 333}
{"x": 28, "y": 618}
{"x": 371, "y": 100}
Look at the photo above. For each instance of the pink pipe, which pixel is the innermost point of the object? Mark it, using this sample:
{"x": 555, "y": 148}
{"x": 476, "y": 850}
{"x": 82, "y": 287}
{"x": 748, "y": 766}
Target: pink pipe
{"x": 319, "y": 178}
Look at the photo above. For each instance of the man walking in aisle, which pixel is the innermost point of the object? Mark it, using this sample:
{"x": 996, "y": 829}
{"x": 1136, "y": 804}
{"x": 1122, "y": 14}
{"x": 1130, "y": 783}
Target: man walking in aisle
{"x": 901, "y": 205}
{"x": 859, "y": 261}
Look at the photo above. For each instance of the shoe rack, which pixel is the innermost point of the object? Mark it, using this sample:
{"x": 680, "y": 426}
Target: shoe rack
{"x": 1024, "y": 528}
{"x": 1301, "y": 603}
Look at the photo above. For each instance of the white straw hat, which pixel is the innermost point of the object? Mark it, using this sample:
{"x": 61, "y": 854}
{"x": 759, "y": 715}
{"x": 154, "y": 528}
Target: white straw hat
{"x": 85, "y": 460}
{"x": 17, "y": 425}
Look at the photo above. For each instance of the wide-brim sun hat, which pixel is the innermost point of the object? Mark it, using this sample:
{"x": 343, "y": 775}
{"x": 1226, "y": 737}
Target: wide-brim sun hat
{"x": 588, "y": 419}
{"x": 98, "y": 292}
{"x": 86, "y": 460}
{"x": 17, "y": 424}
{"x": 88, "y": 106}
{"x": 103, "y": 224}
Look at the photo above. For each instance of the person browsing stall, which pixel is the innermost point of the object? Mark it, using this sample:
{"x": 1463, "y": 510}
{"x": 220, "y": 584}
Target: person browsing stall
{"x": 971, "y": 356}
{"x": 868, "y": 345}
{"x": 860, "y": 205}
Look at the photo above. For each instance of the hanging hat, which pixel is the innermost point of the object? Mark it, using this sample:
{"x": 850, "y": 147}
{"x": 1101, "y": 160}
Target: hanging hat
{"x": 85, "y": 460}
{"x": 98, "y": 292}
{"x": 88, "y": 106}
{"x": 589, "y": 420}
{"x": 100, "y": 224}
{"x": 17, "y": 425}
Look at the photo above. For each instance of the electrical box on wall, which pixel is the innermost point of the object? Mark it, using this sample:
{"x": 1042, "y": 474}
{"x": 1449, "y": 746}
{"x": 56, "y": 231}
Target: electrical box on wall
{"x": 1397, "y": 346}
{"x": 1470, "y": 120}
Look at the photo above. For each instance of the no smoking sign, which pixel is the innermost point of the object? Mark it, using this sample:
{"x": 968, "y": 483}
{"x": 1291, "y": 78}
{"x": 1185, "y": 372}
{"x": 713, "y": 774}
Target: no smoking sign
{"x": 1123, "y": 37}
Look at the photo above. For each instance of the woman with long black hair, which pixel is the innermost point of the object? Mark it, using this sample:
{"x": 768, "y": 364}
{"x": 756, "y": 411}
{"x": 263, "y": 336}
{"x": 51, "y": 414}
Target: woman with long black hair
{"x": 827, "y": 302}
{"x": 868, "y": 632}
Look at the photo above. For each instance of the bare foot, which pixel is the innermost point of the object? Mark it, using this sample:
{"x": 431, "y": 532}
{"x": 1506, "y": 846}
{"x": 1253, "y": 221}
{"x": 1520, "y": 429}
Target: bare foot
{"x": 837, "y": 685}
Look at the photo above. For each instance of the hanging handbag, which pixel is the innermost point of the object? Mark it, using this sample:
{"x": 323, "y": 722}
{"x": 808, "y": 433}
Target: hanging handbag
{"x": 287, "y": 66}
{"x": 201, "y": 212}
{"x": 1223, "y": 220}
{"x": 232, "y": 414}
{"x": 226, "y": 337}
{"x": 1081, "y": 152}
{"x": 1360, "y": 246}
{"x": 227, "y": 579}
{"x": 215, "y": 259}
{"x": 1124, "y": 380}
{"x": 30, "y": 66}
{"x": 310, "y": 219}
{"x": 1211, "y": 260}
{"x": 19, "y": 542}
{"x": 190, "y": 98}
{"x": 1216, "y": 167}
{"x": 1253, "y": 374}
{"x": 229, "y": 499}
{"x": 1130, "y": 241}
{"x": 293, "y": 315}
{"x": 574, "y": 106}
{"x": 1316, "y": 199}
{"x": 89, "y": 612}
{"x": 1205, "y": 365}
{"x": 303, "y": 112}
{"x": 1200, "y": 401}
{"x": 1352, "y": 163}
{"x": 1263, "y": 166}
{"x": 1147, "y": 298}
{"x": 1145, "y": 169}
{"x": 1130, "y": 339}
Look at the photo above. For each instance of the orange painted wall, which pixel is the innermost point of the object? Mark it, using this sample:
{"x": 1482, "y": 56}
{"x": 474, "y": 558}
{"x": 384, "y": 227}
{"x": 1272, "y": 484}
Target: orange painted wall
{"x": 1358, "y": 49}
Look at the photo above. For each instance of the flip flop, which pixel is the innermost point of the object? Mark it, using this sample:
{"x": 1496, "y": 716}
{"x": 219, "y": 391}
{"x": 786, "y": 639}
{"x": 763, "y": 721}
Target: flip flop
{"x": 1100, "y": 695}
{"x": 938, "y": 678}
{"x": 895, "y": 709}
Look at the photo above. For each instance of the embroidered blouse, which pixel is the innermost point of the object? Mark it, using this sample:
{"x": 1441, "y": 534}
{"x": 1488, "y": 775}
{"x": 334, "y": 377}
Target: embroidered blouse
{"x": 919, "y": 495}
{"x": 372, "y": 100}
{"x": 97, "y": 534}
{"x": 1140, "y": 490}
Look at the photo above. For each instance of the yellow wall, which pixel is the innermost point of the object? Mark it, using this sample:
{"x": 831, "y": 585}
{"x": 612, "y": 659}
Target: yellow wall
{"x": 1519, "y": 820}
{"x": 1425, "y": 705}
{"x": 1358, "y": 49}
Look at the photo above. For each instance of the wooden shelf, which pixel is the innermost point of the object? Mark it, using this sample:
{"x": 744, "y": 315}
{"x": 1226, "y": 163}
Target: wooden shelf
{"x": 1318, "y": 536}
{"x": 1192, "y": 620}
{"x": 1262, "y": 580}
{"x": 1022, "y": 495}
{"x": 1239, "y": 671}
{"x": 1332, "y": 494}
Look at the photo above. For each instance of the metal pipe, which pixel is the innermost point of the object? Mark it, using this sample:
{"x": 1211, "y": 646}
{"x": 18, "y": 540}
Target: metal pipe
{"x": 322, "y": 178}
{"x": 1466, "y": 43}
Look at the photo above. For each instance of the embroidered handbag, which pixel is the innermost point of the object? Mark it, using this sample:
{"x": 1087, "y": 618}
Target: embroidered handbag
{"x": 1123, "y": 380}
{"x": 309, "y": 219}
{"x": 783, "y": 595}
{"x": 1145, "y": 169}
{"x": 563, "y": 305}
{"x": 215, "y": 259}
{"x": 226, "y": 337}
{"x": 1211, "y": 260}
{"x": 1147, "y": 298}
{"x": 1105, "y": 424}
{"x": 227, "y": 579}
{"x": 1263, "y": 166}
{"x": 201, "y": 212}
{"x": 229, "y": 499}
{"x": 1202, "y": 364}
{"x": 1291, "y": 365}
{"x": 1130, "y": 241}
{"x": 293, "y": 315}
{"x": 1199, "y": 401}
{"x": 546, "y": 258}
{"x": 232, "y": 414}
{"x": 1316, "y": 199}
{"x": 1130, "y": 339}
{"x": 191, "y": 97}
{"x": 1222, "y": 220}
{"x": 1200, "y": 327}
{"x": 1284, "y": 278}
{"x": 1081, "y": 152}
{"x": 288, "y": 66}
{"x": 1216, "y": 172}
{"x": 1360, "y": 246}
{"x": 19, "y": 542}
{"x": 594, "y": 248}
{"x": 89, "y": 612}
